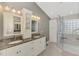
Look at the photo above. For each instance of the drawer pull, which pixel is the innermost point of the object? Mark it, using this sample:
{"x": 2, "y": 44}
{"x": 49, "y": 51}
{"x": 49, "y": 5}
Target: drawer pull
{"x": 17, "y": 52}
{"x": 32, "y": 48}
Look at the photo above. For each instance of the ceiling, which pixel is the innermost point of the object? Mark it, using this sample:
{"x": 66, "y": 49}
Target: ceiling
{"x": 53, "y": 9}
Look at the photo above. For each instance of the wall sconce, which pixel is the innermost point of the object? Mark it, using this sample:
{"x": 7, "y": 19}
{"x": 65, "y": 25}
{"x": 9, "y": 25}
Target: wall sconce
{"x": 36, "y": 18}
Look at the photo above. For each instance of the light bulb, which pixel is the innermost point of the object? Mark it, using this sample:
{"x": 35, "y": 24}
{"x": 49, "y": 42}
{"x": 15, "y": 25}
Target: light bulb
{"x": 19, "y": 12}
{"x": 7, "y": 8}
{"x": 39, "y": 18}
{"x": 32, "y": 16}
{"x": 13, "y": 10}
{"x": 35, "y": 17}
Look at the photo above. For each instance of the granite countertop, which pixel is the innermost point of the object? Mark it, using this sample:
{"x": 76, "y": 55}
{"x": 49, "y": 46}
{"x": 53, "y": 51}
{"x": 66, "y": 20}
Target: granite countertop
{"x": 4, "y": 43}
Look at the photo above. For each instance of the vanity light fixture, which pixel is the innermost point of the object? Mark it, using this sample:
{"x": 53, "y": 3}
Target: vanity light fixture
{"x": 36, "y": 18}
{"x": 7, "y": 8}
{"x": 13, "y": 10}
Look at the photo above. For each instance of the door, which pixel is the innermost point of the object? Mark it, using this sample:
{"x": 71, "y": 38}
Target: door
{"x": 27, "y": 14}
{"x": 53, "y": 31}
{"x": 60, "y": 31}
{"x": 7, "y": 24}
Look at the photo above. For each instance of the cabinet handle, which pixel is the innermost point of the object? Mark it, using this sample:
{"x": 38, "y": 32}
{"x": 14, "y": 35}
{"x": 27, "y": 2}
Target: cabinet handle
{"x": 17, "y": 52}
{"x": 32, "y": 48}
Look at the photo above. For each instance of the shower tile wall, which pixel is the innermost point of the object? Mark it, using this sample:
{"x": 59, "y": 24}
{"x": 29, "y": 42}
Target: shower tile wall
{"x": 71, "y": 26}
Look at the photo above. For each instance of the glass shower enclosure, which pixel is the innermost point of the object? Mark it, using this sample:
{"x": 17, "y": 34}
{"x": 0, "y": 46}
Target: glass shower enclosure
{"x": 68, "y": 35}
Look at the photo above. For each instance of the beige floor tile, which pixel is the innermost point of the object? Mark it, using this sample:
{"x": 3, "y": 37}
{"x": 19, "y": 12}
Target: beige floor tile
{"x": 53, "y": 50}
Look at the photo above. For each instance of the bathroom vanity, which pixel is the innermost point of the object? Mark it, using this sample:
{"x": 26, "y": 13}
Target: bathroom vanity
{"x": 14, "y": 25}
{"x": 27, "y": 47}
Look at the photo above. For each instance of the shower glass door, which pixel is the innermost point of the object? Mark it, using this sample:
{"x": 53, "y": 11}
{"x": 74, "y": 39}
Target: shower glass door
{"x": 60, "y": 32}
{"x": 68, "y": 35}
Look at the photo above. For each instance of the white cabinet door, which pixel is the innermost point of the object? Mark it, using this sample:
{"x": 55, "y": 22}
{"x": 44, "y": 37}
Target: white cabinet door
{"x": 39, "y": 45}
{"x": 3, "y": 53}
{"x": 7, "y": 24}
{"x": 35, "y": 47}
{"x": 42, "y": 43}
{"x": 20, "y": 50}
{"x": 26, "y": 23}
{"x": 13, "y": 51}
{"x": 25, "y": 49}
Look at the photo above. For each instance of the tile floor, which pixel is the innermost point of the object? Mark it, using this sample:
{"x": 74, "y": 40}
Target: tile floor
{"x": 53, "y": 50}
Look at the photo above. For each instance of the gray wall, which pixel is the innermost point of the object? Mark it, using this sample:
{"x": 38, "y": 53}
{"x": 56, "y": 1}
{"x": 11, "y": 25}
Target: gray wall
{"x": 44, "y": 21}
{"x": 1, "y": 25}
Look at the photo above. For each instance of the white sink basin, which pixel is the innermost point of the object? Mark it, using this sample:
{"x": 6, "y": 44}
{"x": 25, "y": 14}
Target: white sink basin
{"x": 14, "y": 42}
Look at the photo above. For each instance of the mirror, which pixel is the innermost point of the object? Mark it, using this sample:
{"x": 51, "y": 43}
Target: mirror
{"x": 17, "y": 24}
{"x": 34, "y": 26}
